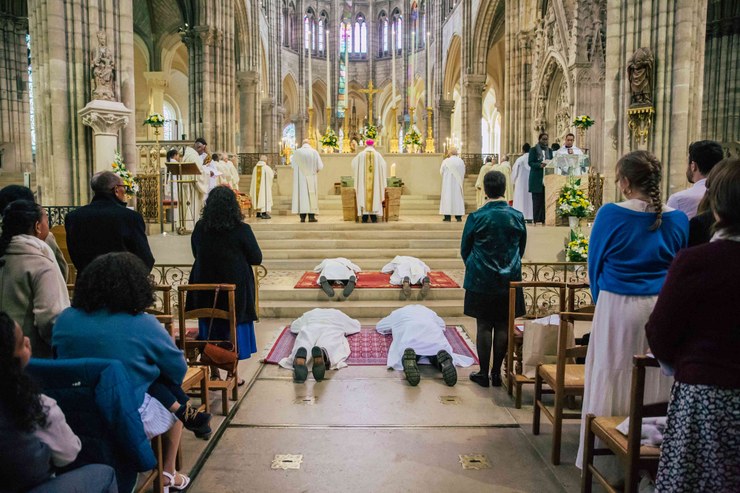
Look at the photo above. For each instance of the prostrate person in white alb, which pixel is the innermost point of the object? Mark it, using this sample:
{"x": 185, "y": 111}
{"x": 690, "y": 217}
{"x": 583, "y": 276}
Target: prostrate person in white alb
{"x": 520, "y": 179}
{"x": 452, "y": 199}
{"x": 371, "y": 173}
{"x": 418, "y": 332}
{"x": 337, "y": 269}
{"x": 480, "y": 195}
{"x": 261, "y": 188}
{"x": 306, "y": 165}
{"x": 325, "y": 331}
{"x": 406, "y": 271}
{"x": 703, "y": 155}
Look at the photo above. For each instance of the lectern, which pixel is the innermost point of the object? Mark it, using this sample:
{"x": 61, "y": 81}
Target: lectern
{"x": 183, "y": 175}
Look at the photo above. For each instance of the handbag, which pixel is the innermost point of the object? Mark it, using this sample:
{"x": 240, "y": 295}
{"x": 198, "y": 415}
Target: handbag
{"x": 221, "y": 354}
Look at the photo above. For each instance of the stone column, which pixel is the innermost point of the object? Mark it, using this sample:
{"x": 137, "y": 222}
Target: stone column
{"x": 106, "y": 119}
{"x": 15, "y": 109}
{"x": 445, "y": 108}
{"x": 472, "y": 107}
{"x": 249, "y": 111}
{"x": 156, "y": 82}
{"x": 271, "y": 123}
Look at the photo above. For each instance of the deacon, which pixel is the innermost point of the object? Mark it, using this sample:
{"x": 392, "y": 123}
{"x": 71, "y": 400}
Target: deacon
{"x": 539, "y": 157}
{"x": 406, "y": 271}
{"x": 338, "y": 269}
{"x": 371, "y": 174}
{"x": 505, "y": 169}
{"x": 261, "y": 188}
{"x": 452, "y": 200}
{"x": 325, "y": 331}
{"x": 306, "y": 164}
{"x": 418, "y": 332}
{"x": 569, "y": 147}
{"x": 480, "y": 195}
{"x": 195, "y": 196}
{"x": 520, "y": 179}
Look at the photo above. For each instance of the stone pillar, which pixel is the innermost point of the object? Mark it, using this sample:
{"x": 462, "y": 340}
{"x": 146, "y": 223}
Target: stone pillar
{"x": 445, "y": 107}
{"x": 106, "y": 119}
{"x": 676, "y": 38}
{"x": 15, "y": 109}
{"x": 472, "y": 107}
{"x": 156, "y": 82}
{"x": 249, "y": 111}
{"x": 271, "y": 123}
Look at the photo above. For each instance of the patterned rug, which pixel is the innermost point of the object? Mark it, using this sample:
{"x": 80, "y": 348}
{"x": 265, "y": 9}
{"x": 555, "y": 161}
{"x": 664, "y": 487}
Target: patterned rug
{"x": 377, "y": 280}
{"x": 368, "y": 347}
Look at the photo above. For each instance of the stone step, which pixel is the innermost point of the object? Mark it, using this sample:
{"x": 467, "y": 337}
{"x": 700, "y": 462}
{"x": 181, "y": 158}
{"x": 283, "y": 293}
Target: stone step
{"x": 382, "y": 294}
{"x": 352, "y": 243}
{"x": 333, "y": 225}
{"x": 277, "y": 254}
{"x": 375, "y": 262}
{"x": 356, "y": 309}
{"x": 299, "y": 234}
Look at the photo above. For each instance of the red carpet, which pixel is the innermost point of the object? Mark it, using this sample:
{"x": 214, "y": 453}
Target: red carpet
{"x": 377, "y": 280}
{"x": 368, "y": 347}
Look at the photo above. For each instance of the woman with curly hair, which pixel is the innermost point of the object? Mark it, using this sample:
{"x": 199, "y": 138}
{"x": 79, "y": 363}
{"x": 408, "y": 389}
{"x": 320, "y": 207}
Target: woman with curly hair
{"x": 225, "y": 250}
{"x": 631, "y": 247}
{"x": 35, "y": 438}
{"x": 107, "y": 320}
{"x": 32, "y": 289}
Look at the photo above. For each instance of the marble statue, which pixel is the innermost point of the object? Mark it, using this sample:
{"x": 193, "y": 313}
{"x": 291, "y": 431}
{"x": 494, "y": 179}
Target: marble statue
{"x": 640, "y": 73}
{"x": 103, "y": 71}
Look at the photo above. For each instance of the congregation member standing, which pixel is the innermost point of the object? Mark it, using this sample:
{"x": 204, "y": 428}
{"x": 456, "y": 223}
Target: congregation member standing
{"x": 371, "y": 174}
{"x": 703, "y": 155}
{"x": 522, "y": 200}
{"x": 106, "y": 225}
{"x": 261, "y": 188}
{"x": 452, "y": 198}
{"x": 306, "y": 165}
{"x": 539, "y": 157}
{"x": 632, "y": 245}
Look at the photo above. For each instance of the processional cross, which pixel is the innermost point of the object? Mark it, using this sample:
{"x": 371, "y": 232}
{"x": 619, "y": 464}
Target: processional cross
{"x": 369, "y": 91}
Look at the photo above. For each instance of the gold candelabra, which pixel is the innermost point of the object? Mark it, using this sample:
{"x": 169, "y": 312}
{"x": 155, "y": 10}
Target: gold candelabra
{"x": 394, "y": 130}
{"x": 311, "y": 137}
{"x": 429, "y": 145}
{"x": 328, "y": 117}
{"x": 346, "y": 147}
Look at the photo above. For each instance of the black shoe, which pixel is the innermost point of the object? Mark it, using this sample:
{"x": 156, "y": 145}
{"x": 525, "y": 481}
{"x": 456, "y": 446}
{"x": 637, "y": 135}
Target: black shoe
{"x": 495, "y": 380}
{"x": 480, "y": 378}
{"x": 449, "y": 373}
{"x": 458, "y": 218}
{"x": 300, "y": 370}
{"x": 426, "y": 285}
{"x": 266, "y": 216}
{"x": 195, "y": 421}
{"x": 409, "y": 367}
{"x": 303, "y": 218}
{"x": 319, "y": 365}
{"x": 312, "y": 219}
{"x": 406, "y": 287}
{"x": 349, "y": 287}
{"x": 326, "y": 287}
{"x": 447, "y": 219}
{"x": 364, "y": 218}
{"x": 374, "y": 218}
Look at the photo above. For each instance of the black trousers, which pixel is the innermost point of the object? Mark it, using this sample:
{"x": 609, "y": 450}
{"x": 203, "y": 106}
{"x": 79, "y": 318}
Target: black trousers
{"x": 538, "y": 207}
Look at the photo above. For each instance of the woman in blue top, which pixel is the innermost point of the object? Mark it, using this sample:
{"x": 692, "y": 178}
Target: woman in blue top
{"x": 631, "y": 247}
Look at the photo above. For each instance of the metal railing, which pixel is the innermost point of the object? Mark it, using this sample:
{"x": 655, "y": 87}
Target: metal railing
{"x": 540, "y": 302}
{"x": 247, "y": 160}
{"x": 57, "y": 213}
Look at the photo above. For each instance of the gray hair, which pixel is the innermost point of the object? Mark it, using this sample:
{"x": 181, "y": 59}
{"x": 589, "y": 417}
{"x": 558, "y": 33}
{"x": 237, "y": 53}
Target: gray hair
{"x": 104, "y": 181}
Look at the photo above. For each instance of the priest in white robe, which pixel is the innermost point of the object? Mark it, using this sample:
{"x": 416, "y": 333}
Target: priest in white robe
{"x": 522, "y": 200}
{"x": 306, "y": 165}
{"x": 406, "y": 271}
{"x": 371, "y": 177}
{"x": 233, "y": 172}
{"x": 194, "y": 195}
{"x": 418, "y": 332}
{"x": 452, "y": 198}
{"x": 505, "y": 168}
{"x": 324, "y": 331}
{"x": 480, "y": 194}
{"x": 261, "y": 188}
{"x": 341, "y": 270}
{"x": 569, "y": 146}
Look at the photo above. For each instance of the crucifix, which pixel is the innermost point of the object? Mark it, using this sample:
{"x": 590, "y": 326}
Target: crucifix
{"x": 369, "y": 91}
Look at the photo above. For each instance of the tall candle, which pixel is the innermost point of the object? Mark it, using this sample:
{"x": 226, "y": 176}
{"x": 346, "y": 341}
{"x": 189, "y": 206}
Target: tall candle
{"x": 393, "y": 66}
{"x": 310, "y": 77}
{"x": 393, "y": 169}
{"x": 328, "y": 72}
{"x": 411, "y": 89}
{"x": 429, "y": 75}
{"x": 346, "y": 63}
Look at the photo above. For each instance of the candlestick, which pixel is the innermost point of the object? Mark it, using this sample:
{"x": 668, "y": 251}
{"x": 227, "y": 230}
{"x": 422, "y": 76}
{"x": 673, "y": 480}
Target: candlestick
{"x": 411, "y": 62}
{"x": 393, "y": 66}
{"x": 328, "y": 74}
{"x": 310, "y": 77}
{"x": 429, "y": 75}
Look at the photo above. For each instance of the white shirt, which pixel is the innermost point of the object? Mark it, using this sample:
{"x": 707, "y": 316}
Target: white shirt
{"x": 688, "y": 200}
{"x": 566, "y": 150}
{"x": 403, "y": 266}
{"x": 336, "y": 269}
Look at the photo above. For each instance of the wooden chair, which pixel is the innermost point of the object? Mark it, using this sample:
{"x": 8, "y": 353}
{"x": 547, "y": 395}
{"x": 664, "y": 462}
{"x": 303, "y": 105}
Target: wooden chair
{"x": 153, "y": 481}
{"x": 565, "y": 380}
{"x": 189, "y": 345}
{"x": 514, "y": 377}
{"x": 60, "y": 235}
{"x": 628, "y": 450}
{"x": 164, "y": 315}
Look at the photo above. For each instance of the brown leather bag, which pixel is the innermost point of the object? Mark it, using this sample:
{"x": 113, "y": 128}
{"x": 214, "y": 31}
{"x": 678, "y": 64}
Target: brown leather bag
{"x": 221, "y": 354}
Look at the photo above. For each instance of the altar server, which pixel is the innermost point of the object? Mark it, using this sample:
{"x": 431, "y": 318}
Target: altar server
{"x": 371, "y": 176}
{"x": 504, "y": 167}
{"x": 520, "y": 179}
{"x": 337, "y": 269}
{"x": 195, "y": 196}
{"x": 452, "y": 199}
{"x": 261, "y": 188}
{"x": 406, "y": 271}
{"x": 325, "y": 331}
{"x": 306, "y": 165}
{"x": 419, "y": 332}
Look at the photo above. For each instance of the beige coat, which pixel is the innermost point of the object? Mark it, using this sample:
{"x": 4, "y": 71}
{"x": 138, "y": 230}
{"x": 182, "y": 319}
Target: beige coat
{"x": 32, "y": 290}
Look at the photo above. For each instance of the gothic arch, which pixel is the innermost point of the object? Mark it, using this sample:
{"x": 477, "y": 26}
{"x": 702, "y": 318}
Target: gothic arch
{"x": 453, "y": 66}
{"x": 291, "y": 98}
{"x": 553, "y": 102}
{"x": 489, "y": 23}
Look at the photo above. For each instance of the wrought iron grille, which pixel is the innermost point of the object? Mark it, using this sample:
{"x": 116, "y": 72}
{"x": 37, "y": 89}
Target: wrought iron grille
{"x": 247, "y": 160}
{"x": 57, "y": 213}
{"x": 543, "y": 301}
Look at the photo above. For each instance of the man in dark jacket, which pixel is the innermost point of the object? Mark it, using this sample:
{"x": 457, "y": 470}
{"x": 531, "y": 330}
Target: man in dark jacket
{"x": 105, "y": 225}
{"x": 539, "y": 157}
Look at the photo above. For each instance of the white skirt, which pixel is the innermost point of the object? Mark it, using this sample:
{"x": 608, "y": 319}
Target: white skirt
{"x": 617, "y": 334}
{"x": 155, "y": 417}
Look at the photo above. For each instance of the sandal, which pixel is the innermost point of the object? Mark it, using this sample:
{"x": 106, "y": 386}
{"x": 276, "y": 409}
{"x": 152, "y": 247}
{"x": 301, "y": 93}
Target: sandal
{"x": 172, "y": 484}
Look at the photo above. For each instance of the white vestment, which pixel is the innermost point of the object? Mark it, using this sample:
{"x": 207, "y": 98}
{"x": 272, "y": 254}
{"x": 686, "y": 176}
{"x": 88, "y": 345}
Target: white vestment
{"x": 195, "y": 194}
{"x": 370, "y": 189}
{"x": 306, "y": 164}
{"x": 261, "y": 187}
{"x": 520, "y": 179}
{"x": 227, "y": 176}
{"x": 402, "y": 266}
{"x": 336, "y": 269}
{"x": 480, "y": 193}
{"x": 452, "y": 199}
{"x": 233, "y": 175}
{"x": 505, "y": 169}
{"x": 213, "y": 175}
{"x": 419, "y": 328}
{"x": 326, "y": 328}
{"x": 566, "y": 150}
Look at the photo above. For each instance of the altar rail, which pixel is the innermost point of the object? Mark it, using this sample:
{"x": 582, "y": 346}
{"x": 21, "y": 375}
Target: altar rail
{"x": 247, "y": 160}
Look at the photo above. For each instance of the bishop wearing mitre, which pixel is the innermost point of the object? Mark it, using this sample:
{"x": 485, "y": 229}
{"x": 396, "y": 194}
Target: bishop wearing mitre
{"x": 371, "y": 175}
{"x": 261, "y": 188}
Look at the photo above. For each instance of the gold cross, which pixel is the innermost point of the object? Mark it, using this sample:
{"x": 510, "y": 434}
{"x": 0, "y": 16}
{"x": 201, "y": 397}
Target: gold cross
{"x": 369, "y": 91}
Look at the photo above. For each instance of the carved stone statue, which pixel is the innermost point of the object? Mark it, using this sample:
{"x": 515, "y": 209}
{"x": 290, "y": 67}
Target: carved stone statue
{"x": 103, "y": 69}
{"x": 640, "y": 73}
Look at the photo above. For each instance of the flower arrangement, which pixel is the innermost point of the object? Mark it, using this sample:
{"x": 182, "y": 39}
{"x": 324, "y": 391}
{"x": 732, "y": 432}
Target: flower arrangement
{"x": 412, "y": 137}
{"x": 577, "y": 248}
{"x": 330, "y": 139}
{"x": 573, "y": 202}
{"x": 370, "y": 131}
{"x": 129, "y": 180}
{"x": 155, "y": 120}
{"x": 583, "y": 121}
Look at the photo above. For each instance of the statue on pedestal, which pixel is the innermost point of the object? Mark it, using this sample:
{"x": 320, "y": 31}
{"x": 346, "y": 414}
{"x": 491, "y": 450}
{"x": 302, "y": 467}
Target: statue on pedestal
{"x": 640, "y": 73}
{"x": 103, "y": 71}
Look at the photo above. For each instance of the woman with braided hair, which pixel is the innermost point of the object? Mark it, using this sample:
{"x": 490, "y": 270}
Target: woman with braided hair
{"x": 631, "y": 247}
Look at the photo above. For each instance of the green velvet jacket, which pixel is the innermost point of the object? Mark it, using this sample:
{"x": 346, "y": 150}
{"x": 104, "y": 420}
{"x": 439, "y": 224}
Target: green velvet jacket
{"x": 492, "y": 246}
{"x": 536, "y": 172}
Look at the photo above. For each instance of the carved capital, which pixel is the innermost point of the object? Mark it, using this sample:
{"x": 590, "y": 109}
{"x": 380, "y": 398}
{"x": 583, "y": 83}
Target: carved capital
{"x": 157, "y": 80}
{"x": 474, "y": 83}
{"x": 445, "y": 106}
{"x": 247, "y": 79}
{"x": 105, "y": 117}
